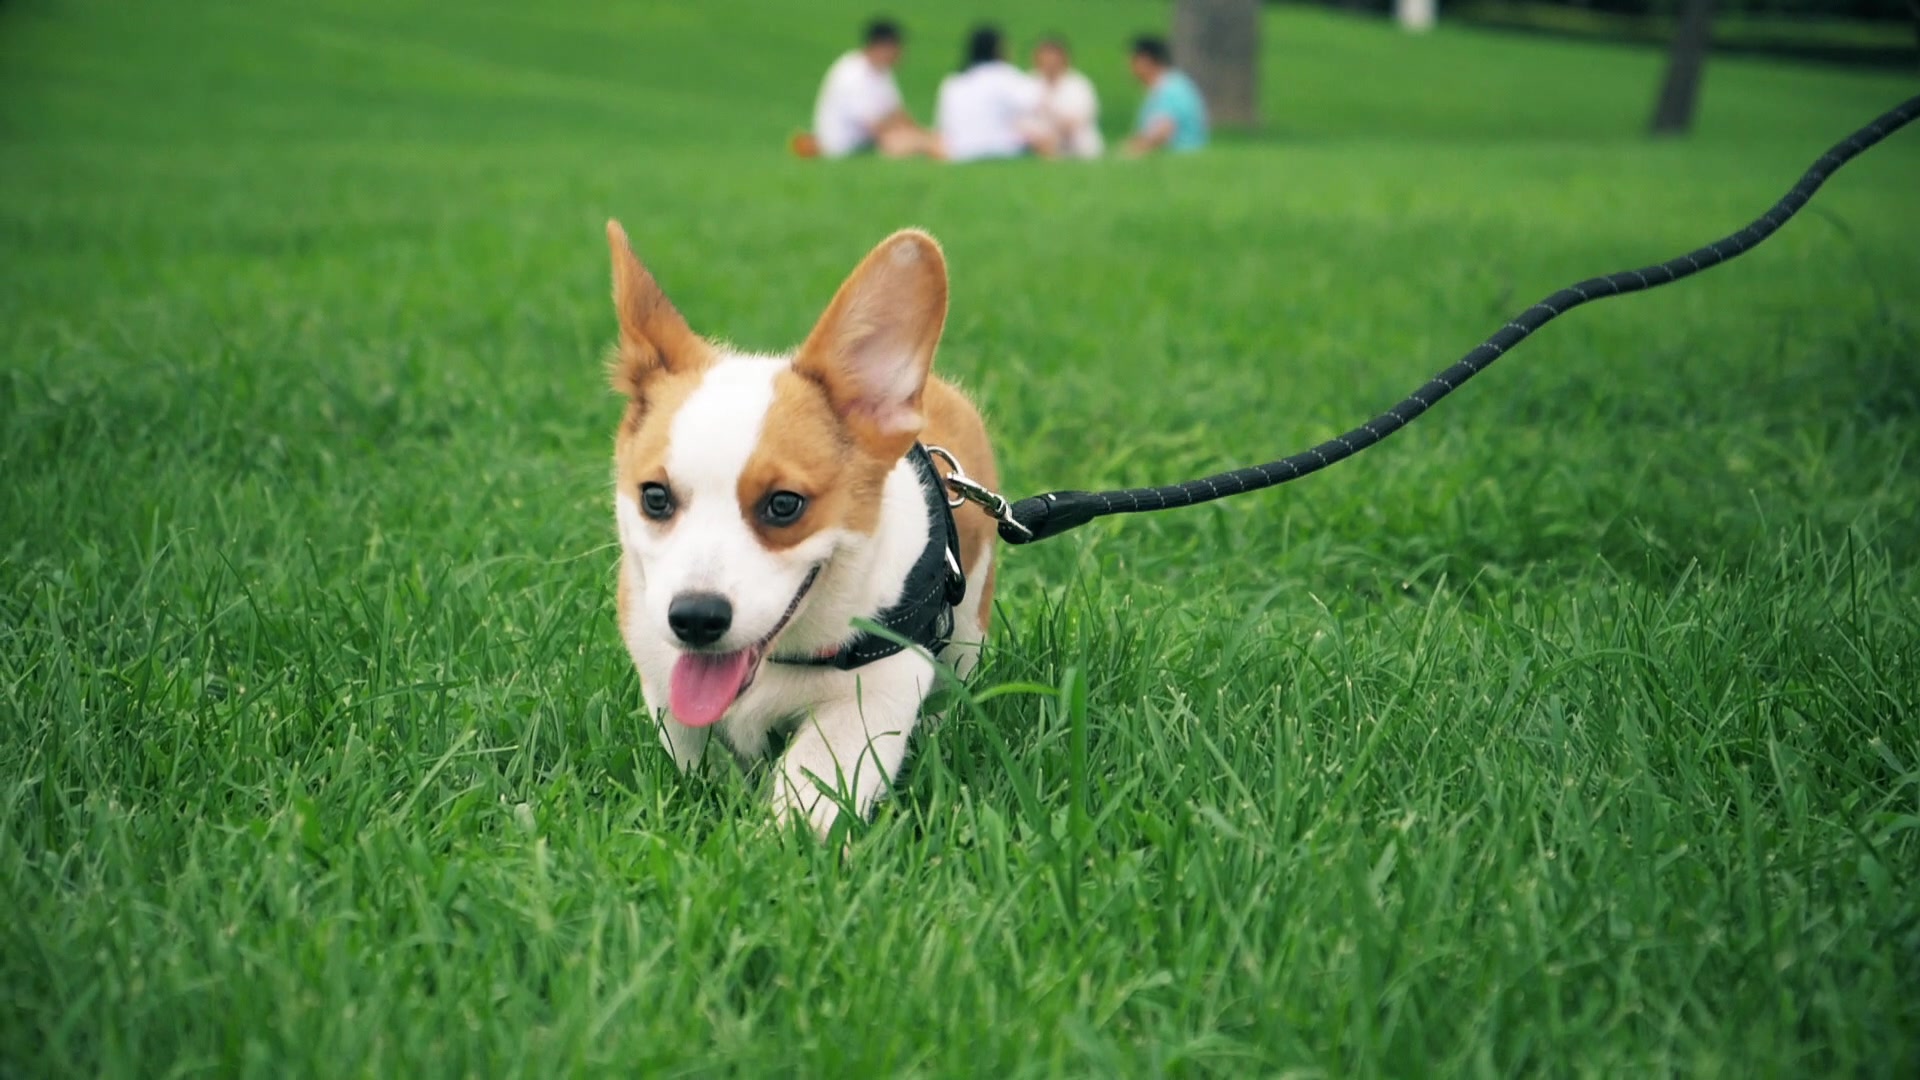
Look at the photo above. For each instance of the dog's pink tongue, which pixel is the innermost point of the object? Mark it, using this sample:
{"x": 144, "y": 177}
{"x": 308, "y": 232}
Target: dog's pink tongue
{"x": 704, "y": 684}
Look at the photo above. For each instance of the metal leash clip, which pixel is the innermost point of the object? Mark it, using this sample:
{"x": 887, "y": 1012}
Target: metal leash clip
{"x": 968, "y": 490}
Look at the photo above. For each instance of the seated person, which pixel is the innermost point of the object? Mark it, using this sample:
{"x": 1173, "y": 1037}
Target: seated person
{"x": 1069, "y": 113}
{"x": 1174, "y": 115}
{"x": 859, "y": 107}
{"x": 986, "y": 108}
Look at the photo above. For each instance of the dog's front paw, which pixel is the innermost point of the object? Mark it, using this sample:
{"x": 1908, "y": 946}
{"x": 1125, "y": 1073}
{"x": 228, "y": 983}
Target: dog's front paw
{"x": 802, "y": 802}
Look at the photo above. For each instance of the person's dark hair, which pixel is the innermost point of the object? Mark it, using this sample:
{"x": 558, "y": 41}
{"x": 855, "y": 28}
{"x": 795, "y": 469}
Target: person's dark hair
{"x": 1154, "y": 49}
{"x": 983, "y": 46}
{"x": 884, "y": 32}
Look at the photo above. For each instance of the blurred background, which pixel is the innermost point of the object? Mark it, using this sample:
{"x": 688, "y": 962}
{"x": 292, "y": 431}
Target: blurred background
{"x": 402, "y": 201}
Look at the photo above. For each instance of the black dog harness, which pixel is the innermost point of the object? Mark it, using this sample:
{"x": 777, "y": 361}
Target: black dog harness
{"x": 924, "y": 614}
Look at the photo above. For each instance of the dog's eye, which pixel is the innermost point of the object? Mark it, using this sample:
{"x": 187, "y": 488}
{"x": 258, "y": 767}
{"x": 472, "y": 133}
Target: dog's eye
{"x": 656, "y": 501}
{"x": 783, "y": 508}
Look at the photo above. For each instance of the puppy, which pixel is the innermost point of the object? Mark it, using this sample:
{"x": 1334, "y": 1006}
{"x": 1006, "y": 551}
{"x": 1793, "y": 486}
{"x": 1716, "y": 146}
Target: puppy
{"x": 765, "y": 503}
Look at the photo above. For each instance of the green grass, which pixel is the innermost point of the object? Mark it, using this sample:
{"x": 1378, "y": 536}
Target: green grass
{"x": 1571, "y": 732}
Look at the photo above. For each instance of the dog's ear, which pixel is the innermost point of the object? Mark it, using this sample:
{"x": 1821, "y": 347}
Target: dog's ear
{"x": 873, "y": 348}
{"x": 654, "y": 339}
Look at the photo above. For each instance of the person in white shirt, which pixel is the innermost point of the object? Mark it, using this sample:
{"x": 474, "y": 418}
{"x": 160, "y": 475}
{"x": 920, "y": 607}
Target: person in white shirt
{"x": 1069, "y": 114}
{"x": 859, "y": 107}
{"x": 987, "y": 108}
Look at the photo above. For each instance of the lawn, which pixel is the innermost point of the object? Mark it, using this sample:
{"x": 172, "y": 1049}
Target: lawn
{"x": 1570, "y": 732}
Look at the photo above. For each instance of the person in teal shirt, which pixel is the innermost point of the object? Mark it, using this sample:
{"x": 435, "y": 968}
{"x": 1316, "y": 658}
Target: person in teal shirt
{"x": 1174, "y": 115}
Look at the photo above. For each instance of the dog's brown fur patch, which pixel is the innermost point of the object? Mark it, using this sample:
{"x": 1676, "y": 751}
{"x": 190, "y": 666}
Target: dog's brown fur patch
{"x": 655, "y": 341}
{"x": 892, "y": 306}
{"x": 806, "y": 449}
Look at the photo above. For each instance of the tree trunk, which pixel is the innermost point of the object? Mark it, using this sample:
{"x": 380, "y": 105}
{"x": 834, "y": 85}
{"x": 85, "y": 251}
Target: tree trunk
{"x": 1415, "y": 16}
{"x": 1673, "y": 113}
{"x": 1218, "y": 43}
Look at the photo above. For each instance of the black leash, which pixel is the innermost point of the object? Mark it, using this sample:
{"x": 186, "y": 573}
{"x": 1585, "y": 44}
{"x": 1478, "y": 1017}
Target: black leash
{"x": 1055, "y": 512}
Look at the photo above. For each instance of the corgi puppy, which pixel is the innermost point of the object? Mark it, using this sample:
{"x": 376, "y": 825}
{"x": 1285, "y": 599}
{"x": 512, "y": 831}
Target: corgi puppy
{"x": 766, "y": 502}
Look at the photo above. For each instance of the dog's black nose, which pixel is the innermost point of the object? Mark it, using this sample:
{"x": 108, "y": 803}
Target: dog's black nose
{"x": 699, "y": 618}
